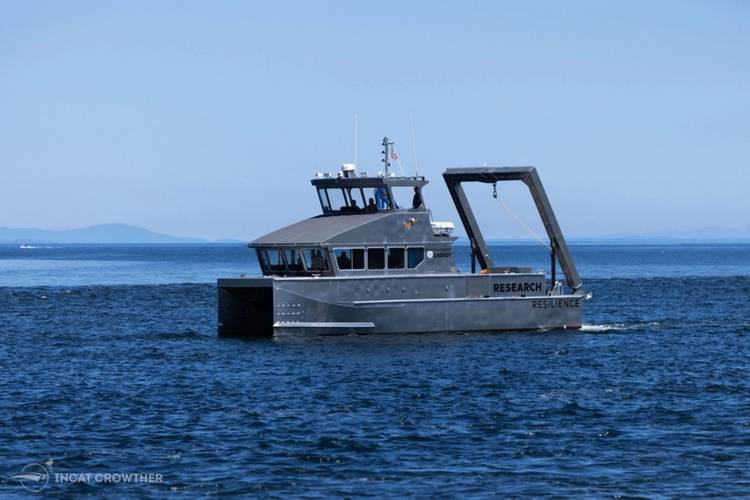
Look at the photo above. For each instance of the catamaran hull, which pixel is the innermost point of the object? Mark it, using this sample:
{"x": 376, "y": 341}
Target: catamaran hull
{"x": 267, "y": 307}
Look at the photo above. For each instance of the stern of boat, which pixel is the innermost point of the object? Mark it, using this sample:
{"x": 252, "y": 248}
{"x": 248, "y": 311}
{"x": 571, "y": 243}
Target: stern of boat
{"x": 245, "y": 307}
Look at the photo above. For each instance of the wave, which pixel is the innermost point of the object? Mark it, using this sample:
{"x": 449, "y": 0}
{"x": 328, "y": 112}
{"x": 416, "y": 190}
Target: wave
{"x": 617, "y": 327}
{"x": 601, "y": 328}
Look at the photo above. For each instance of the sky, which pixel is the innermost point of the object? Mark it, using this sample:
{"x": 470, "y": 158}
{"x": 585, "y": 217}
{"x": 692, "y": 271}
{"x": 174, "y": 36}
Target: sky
{"x": 209, "y": 119}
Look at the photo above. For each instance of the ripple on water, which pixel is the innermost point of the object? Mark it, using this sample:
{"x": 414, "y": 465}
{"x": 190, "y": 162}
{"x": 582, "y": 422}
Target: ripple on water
{"x": 133, "y": 378}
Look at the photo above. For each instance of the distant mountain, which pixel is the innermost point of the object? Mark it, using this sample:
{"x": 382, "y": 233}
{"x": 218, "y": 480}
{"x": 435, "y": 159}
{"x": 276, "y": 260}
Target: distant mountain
{"x": 103, "y": 233}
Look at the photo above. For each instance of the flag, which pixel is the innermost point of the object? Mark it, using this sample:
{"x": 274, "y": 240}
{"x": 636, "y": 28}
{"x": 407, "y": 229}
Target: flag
{"x": 394, "y": 156}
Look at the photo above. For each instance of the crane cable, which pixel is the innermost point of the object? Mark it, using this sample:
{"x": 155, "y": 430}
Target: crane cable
{"x": 517, "y": 218}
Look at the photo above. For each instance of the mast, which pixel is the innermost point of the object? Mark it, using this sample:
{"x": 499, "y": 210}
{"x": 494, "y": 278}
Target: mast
{"x": 386, "y": 154}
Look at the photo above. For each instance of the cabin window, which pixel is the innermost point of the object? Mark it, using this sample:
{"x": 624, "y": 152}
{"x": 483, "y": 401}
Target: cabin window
{"x": 350, "y": 258}
{"x": 357, "y": 202}
{"x": 293, "y": 260}
{"x": 343, "y": 258}
{"x": 374, "y": 202}
{"x": 346, "y": 200}
{"x": 336, "y": 199}
{"x": 324, "y": 202}
{"x": 395, "y": 258}
{"x": 415, "y": 256}
{"x": 263, "y": 261}
{"x": 315, "y": 260}
{"x": 276, "y": 260}
{"x": 375, "y": 258}
{"x": 405, "y": 197}
{"x": 358, "y": 258}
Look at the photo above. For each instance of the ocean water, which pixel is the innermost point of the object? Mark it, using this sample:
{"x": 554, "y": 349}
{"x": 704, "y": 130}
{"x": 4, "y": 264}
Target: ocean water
{"x": 110, "y": 364}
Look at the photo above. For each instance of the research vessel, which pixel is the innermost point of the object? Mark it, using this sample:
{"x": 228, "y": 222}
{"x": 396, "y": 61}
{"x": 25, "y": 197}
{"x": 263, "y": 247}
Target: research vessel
{"x": 374, "y": 261}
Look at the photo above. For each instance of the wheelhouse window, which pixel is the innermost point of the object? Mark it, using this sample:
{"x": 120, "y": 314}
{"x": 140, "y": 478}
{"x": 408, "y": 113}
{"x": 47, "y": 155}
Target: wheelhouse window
{"x": 380, "y": 199}
{"x": 356, "y": 197}
{"x": 292, "y": 261}
{"x": 409, "y": 197}
{"x": 348, "y": 200}
{"x": 345, "y": 200}
{"x": 325, "y": 203}
{"x": 336, "y": 199}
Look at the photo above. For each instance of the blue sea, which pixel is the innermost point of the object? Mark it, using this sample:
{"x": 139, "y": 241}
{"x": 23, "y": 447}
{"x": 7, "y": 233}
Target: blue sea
{"x": 113, "y": 382}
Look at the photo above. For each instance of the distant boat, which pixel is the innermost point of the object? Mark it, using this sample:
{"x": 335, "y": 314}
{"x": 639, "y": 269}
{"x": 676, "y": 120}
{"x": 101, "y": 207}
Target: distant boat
{"x": 25, "y": 246}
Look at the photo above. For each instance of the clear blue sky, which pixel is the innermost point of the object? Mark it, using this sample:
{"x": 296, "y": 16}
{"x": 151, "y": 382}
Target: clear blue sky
{"x": 208, "y": 118}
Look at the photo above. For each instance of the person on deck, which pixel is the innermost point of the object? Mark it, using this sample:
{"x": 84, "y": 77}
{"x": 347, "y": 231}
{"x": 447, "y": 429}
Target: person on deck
{"x": 416, "y": 202}
{"x": 371, "y": 206}
{"x": 381, "y": 198}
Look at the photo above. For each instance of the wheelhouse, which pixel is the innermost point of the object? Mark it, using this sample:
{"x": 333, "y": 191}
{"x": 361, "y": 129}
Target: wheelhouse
{"x": 350, "y": 195}
{"x": 370, "y": 225}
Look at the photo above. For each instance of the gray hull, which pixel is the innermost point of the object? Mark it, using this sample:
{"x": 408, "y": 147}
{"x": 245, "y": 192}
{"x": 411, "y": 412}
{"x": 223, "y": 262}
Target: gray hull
{"x": 396, "y": 304}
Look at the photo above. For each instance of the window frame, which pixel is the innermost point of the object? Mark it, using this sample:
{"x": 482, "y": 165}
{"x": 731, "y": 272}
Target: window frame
{"x": 364, "y": 259}
{"x": 389, "y": 205}
{"x": 284, "y": 268}
{"x": 351, "y": 258}
{"x": 282, "y": 261}
{"x": 323, "y": 254}
{"x": 385, "y": 259}
{"x": 388, "y": 257}
{"x": 337, "y": 194}
{"x": 265, "y": 264}
{"x": 421, "y": 261}
{"x": 295, "y": 251}
{"x": 325, "y": 204}
{"x": 344, "y": 198}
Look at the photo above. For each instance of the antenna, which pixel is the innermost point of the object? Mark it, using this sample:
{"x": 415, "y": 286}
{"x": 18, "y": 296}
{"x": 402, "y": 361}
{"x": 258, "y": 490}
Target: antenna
{"x": 386, "y": 154}
{"x": 413, "y": 145}
{"x": 356, "y": 136}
